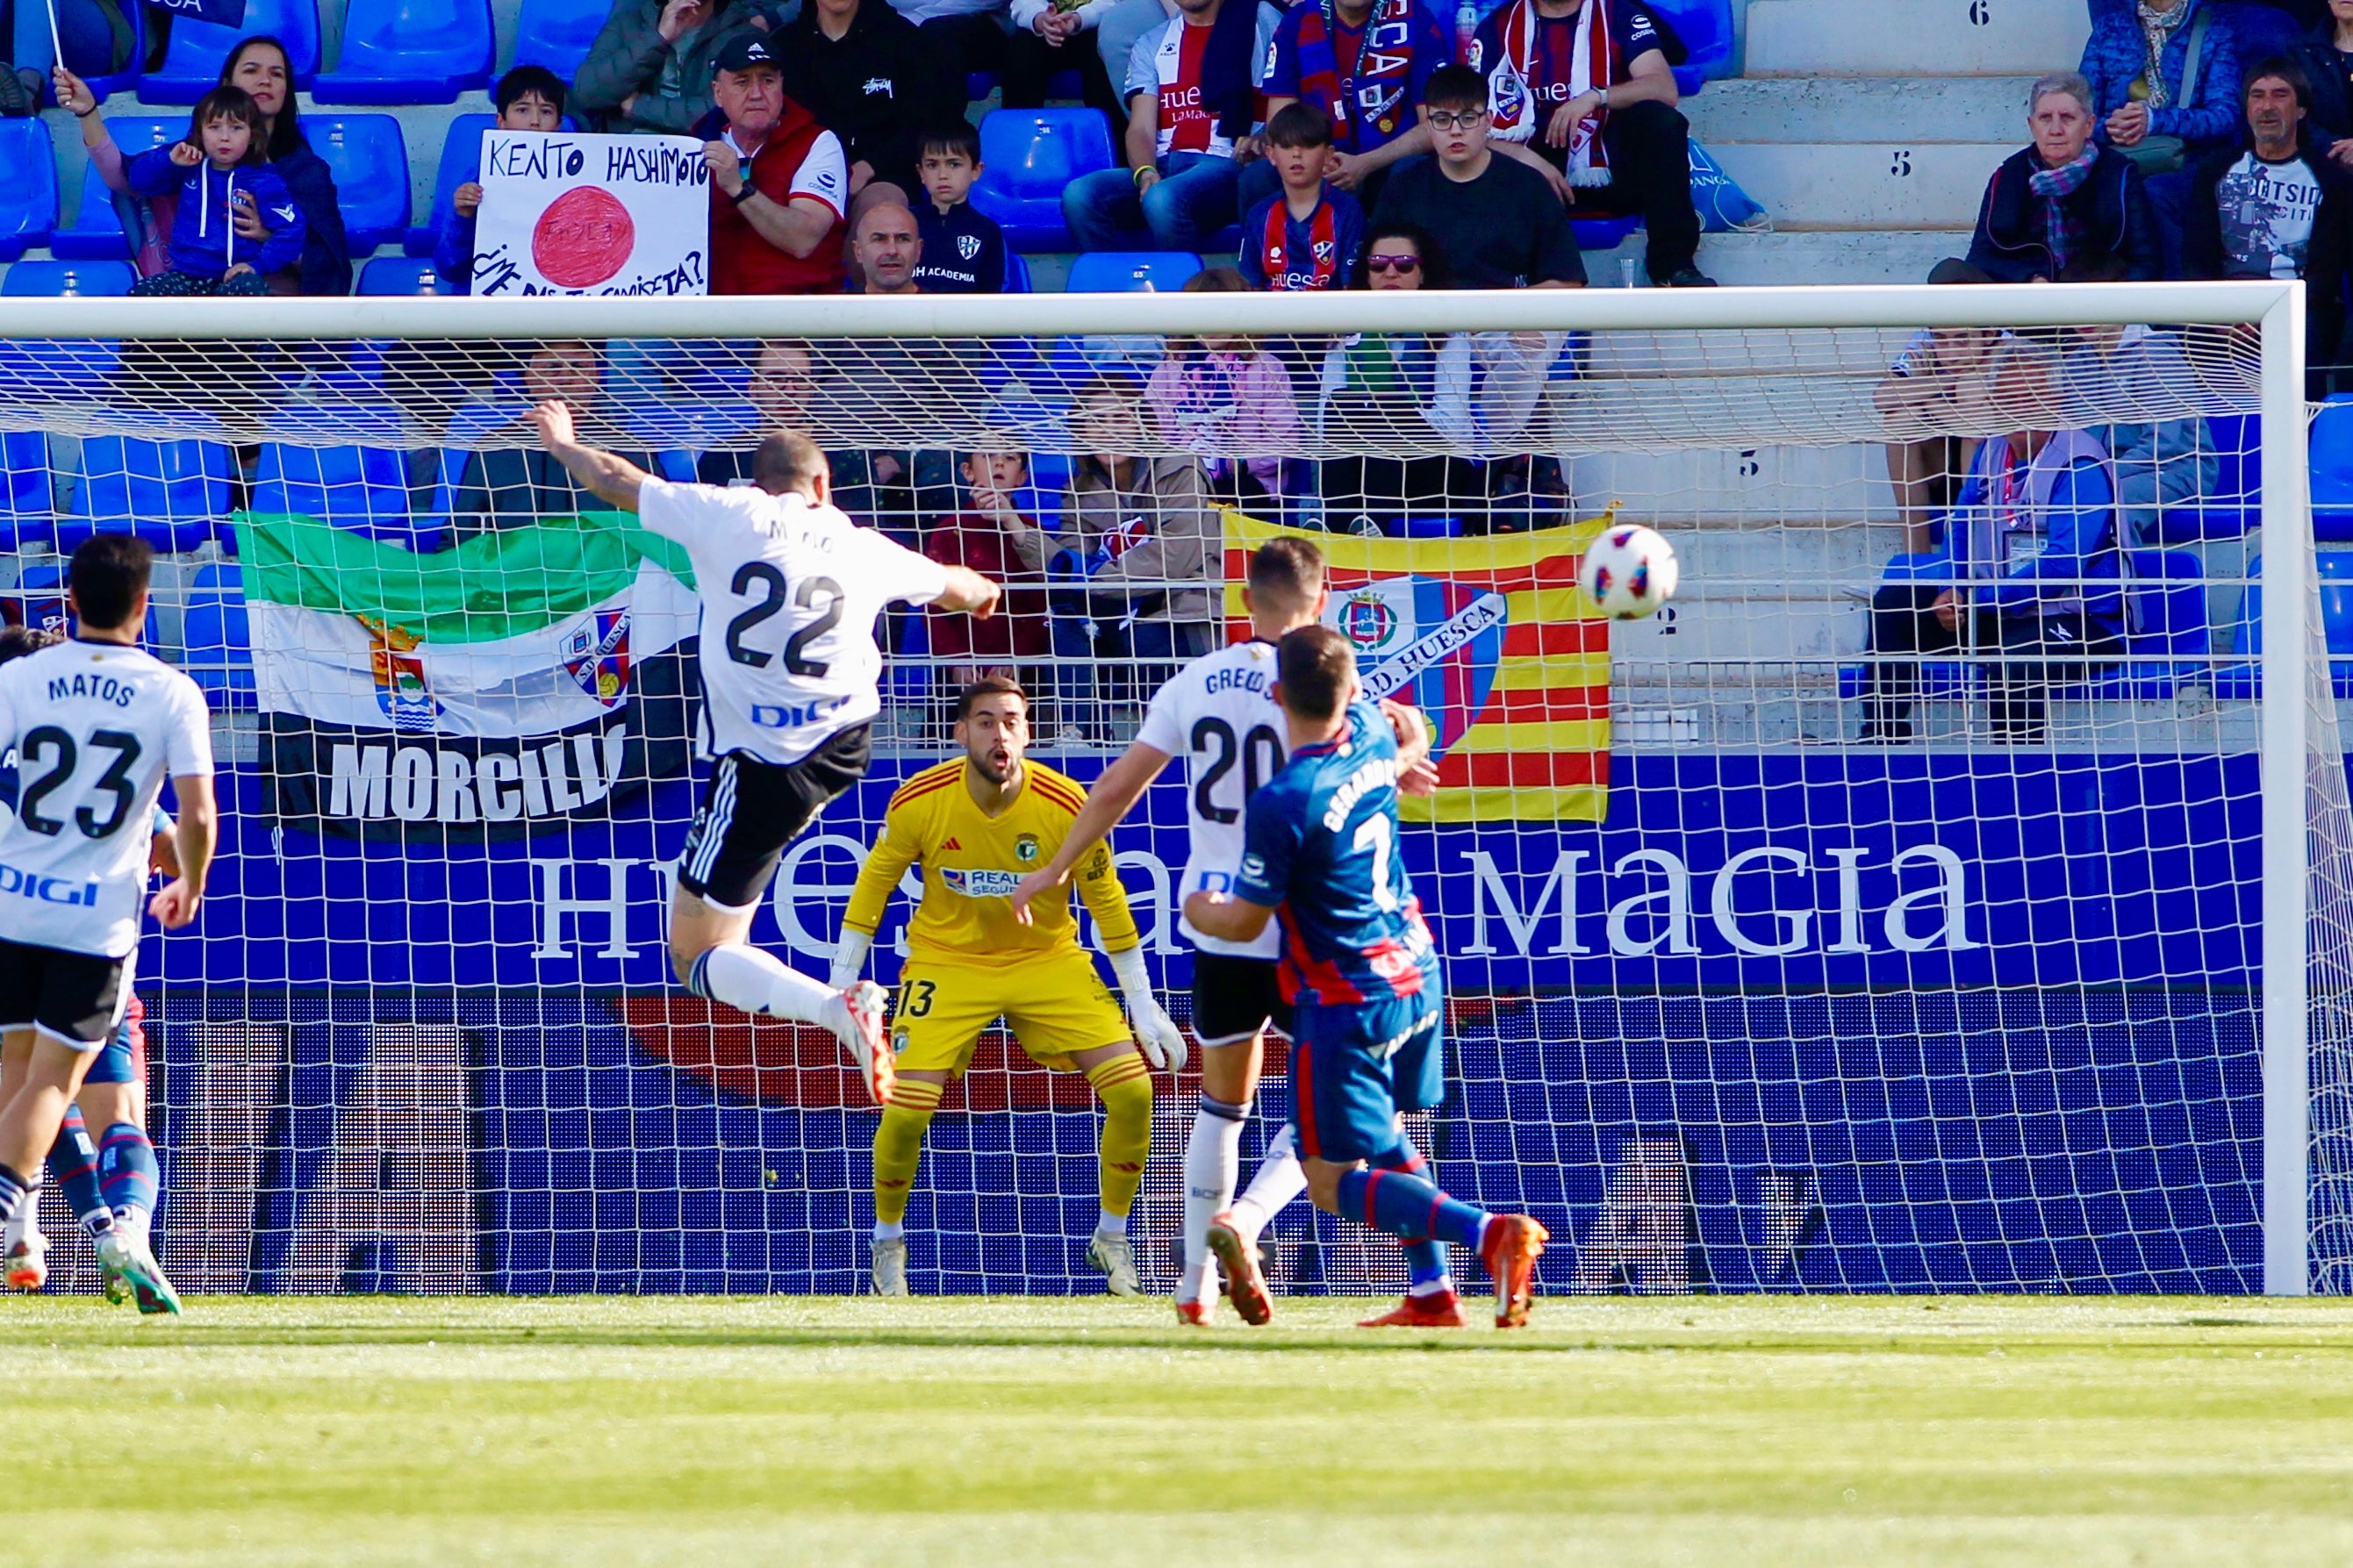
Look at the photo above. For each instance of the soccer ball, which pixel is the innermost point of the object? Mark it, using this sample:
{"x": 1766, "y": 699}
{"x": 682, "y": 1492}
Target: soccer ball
{"x": 1629, "y": 571}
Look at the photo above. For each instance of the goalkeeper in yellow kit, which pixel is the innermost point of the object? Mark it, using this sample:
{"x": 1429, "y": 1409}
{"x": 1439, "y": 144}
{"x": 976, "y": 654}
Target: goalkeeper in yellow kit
{"x": 976, "y": 825}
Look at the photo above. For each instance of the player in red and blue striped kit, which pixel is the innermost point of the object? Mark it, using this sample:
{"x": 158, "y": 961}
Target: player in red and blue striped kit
{"x": 1358, "y": 968}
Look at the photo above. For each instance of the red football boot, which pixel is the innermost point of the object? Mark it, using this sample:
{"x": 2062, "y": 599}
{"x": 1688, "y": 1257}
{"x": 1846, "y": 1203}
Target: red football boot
{"x": 1438, "y": 1310}
{"x": 1237, "y": 1259}
{"x": 1510, "y": 1250}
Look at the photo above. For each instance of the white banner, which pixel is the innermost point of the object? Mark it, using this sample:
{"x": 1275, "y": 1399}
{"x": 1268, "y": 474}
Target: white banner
{"x": 567, "y": 214}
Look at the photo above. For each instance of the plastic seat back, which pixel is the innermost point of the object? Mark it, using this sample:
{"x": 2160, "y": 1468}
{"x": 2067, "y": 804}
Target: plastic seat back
{"x": 28, "y": 199}
{"x": 192, "y": 60}
{"x": 172, "y": 494}
{"x": 411, "y": 51}
{"x": 370, "y": 161}
{"x": 216, "y": 636}
{"x": 96, "y": 232}
{"x": 1131, "y": 272}
{"x": 556, "y": 33}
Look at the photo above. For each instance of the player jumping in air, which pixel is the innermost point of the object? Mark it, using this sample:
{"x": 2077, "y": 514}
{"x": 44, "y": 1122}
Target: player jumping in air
{"x": 975, "y": 823}
{"x": 113, "y": 1183}
{"x": 791, "y": 589}
{"x": 1320, "y": 851}
{"x": 96, "y": 726}
{"x": 1219, "y": 714}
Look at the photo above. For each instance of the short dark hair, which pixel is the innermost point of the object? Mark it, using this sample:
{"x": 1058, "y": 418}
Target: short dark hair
{"x": 988, "y": 685}
{"x": 1299, "y": 124}
{"x": 945, "y": 139}
{"x": 1435, "y": 272}
{"x": 525, "y": 80}
{"x": 108, "y": 573}
{"x": 232, "y": 103}
{"x": 2286, "y": 71}
{"x": 1456, "y": 88}
{"x": 1289, "y": 569}
{"x": 16, "y": 642}
{"x": 1104, "y": 383}
{"x": 787, "y": 460}
{"x": 1314, "y": 665}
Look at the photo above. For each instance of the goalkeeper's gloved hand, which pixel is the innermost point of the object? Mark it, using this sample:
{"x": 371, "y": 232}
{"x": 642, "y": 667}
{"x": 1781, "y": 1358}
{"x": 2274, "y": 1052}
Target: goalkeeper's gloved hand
{"x": 849, "y": 958}
{"x": 1155, "y": 1031}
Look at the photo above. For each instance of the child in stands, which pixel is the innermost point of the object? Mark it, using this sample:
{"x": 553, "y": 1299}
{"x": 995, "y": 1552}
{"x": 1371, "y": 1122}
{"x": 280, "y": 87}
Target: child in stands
{"x": 225, "y": 155}
{"x": 963, "y": 248}
{"x": 1308, "y": 233}
{"x": 529, "y": 98}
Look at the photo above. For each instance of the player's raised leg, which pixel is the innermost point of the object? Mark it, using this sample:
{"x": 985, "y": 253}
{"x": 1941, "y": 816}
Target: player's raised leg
{"x": 114, "y": 1096}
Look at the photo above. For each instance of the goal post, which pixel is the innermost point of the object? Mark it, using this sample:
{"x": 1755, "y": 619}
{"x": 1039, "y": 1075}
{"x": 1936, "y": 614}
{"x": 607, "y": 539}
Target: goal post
{"x": 1745, "y": 994}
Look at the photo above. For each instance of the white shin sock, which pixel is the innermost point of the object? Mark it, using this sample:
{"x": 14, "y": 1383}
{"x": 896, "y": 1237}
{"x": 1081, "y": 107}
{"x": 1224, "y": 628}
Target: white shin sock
{"x": 745, "y": 977}
{"x": 1213, "y": 1168}
{"x": 1280, "y": 1179}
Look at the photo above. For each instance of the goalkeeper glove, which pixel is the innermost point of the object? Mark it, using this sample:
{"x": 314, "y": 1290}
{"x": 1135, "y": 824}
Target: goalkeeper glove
{"x": 849, "y": 958}
{"x": 1155, "y": 1031}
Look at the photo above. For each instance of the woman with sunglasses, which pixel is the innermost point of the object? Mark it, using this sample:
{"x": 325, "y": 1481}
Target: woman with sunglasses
{"x": 1472, "y": 390}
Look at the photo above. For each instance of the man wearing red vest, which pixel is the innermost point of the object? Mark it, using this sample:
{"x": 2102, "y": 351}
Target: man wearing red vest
{"x": 779, "y": 183}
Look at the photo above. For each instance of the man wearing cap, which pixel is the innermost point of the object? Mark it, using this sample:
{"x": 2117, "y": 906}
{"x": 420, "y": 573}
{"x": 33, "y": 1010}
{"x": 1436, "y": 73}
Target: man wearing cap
{"x": 779, "y": 182}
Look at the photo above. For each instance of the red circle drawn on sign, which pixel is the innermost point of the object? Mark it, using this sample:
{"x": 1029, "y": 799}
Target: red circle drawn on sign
{"x": 584, "y": 237}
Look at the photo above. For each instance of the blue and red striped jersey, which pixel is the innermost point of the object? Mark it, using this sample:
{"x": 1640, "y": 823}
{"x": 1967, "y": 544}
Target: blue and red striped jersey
{"x": 1320, "y": 849}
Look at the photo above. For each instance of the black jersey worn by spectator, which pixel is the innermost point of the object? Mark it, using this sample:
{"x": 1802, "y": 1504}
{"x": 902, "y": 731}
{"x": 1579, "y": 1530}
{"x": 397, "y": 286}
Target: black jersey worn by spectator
{"x": 964, "y": 250}
{"x": 1504, "y": 229}
{"x": 873, "y": 78}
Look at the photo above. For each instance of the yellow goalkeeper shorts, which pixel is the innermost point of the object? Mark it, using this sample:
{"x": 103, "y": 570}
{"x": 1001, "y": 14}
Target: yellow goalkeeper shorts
{"x": 1055, "y": 1004}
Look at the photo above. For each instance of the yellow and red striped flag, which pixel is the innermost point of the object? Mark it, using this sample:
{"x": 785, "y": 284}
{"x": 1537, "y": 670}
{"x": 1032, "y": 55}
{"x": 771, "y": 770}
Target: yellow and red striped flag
{"x": 1489, "y": 637}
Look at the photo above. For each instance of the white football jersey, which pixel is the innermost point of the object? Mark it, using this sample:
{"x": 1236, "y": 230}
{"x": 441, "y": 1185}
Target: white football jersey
{"x": 1219, "y": 714}
{"x": 790, "y": 593}
{"x": 96, "y": 728}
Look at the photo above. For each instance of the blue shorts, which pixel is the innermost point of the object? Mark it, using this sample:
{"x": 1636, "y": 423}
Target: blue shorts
{"x": 1355, "y": 1066}
{"x": 124, "y": 1058}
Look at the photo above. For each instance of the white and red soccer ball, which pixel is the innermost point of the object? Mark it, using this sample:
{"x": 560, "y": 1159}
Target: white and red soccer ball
{"x": 1629, "y": 571}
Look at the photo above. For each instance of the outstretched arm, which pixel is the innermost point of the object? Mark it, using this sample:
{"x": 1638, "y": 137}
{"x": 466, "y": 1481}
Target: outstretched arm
{"x": 603, "y": 475}
{"x": 967, "y": 589}
{"x": 1121, "y": 786}
{"x": 1226, "y": 917}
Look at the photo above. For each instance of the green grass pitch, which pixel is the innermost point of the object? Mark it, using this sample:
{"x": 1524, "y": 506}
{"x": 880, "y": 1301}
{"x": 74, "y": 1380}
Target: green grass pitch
{"x": 580, "y": 1431}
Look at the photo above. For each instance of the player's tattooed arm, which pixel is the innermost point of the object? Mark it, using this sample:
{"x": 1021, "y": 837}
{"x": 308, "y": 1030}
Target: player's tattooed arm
{"x": 1417, "y": 775}
{"x": 968, "y": 590}
{"x": 611, "y": 479}
{"x": 1121, "y": 786}
{"x": 1225, "y": 917}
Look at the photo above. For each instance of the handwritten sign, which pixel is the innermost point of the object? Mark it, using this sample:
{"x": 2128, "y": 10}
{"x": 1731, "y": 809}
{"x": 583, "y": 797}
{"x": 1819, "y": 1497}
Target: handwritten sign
{"x": 591, "y": 215}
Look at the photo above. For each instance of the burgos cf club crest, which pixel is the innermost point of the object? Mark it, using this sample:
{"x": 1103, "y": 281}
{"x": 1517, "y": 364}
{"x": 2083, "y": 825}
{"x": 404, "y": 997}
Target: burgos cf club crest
{"x": 399, "y": 674}
{"x": 1430, "y": 643}
{"x": 595, "y": 653}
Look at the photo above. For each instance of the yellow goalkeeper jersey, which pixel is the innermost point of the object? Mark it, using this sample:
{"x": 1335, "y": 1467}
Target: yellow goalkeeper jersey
{"x": 972, "y": 861}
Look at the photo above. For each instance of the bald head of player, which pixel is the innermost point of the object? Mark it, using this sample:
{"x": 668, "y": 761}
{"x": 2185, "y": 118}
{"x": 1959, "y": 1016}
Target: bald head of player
{"x": 992, "y": 725}
{"x": 1314, "y": 677}
{"x": 787, "y": 462}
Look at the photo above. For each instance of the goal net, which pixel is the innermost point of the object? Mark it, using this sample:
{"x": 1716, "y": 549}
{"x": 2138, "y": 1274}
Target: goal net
{"x": 1948, "y": 890}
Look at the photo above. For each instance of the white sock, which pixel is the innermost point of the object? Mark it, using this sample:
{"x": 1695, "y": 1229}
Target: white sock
{"x": 745, "y": 977}
{"x": 1213, "y": 1168}
{"x": 1280, "y": 1178}
{"x": 1109, "y": 1224}
{"x": 888, "y": 1230}
{"x": 131, "y": 1220}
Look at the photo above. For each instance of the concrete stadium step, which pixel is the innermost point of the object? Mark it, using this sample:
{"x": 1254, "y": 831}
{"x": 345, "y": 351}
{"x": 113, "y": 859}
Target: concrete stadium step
{"x": 1822, "y": 256}
{"x": 1778, "y": 491}
{"x": 1877, "y": 186}
{"x": 1865, "y": 108}
{"x": 1923, "y": 38}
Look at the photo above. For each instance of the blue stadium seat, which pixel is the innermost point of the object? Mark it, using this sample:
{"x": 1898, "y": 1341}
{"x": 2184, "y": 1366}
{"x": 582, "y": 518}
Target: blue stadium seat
{"x": 1131, "y": 272}
{"x": 96, "y": 232}
{"x": 401, "y": 275}
{"x": 68, "y": 279}
{"x": 28, "y": 507}
{"x": 1424, "y": 528}
{"x": 1017, "y": 272}
{"x": 2330, "y": 459}
{"x": 1028, "y": 156}
{"x": 556, "y": 33}
{"x": 1602, "y": 233}
{"x": 192, "y": 61}
{"x": 2236, "y": 504}
{"x": 123, "y": 80}
{"x": 2170, "y": 601}
{"x": 172, "y": 494}
{"x": 1705, "y": 29}
{"x": 467, "y": 425}
{"x": 411, "y": 51}
{"x": 28, "y": 202}
{"x": 370, "y": 161}
{"x": 364, "y": 489}
{"x": 2240, "y": 678}
{"x": 43, "y": 368}
{"x": 217, "y": 638}
{"x": 461, "y": 151}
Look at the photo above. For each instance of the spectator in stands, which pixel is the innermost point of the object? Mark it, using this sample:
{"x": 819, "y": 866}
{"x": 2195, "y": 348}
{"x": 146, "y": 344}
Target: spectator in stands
{"x": 784, "y": 393}
{"x": 1308, "y": 235}
{"x": 971, "y": 37}
{"x": 2034, "y": 570}
{"x": 963, "y": 247}
{"x": 226, "y": 142}
{"x": 779, "y": 182}
{"x": 1493, "y": 216}
{"x": 889, "y": 249}
{"x": 146, "y": 225}
{"x": 651, "y": 65}
{"x": 1048, "y": 37}
{"x": 874, "y": 79}
{"x": 1472, "y": 390}
{"x": 2064, "y": 200}
{"x": 1134, "y": 574}
{"x": 262, "y": 66}
{"x": 1934, "y": 398}
{"x": 991, "y": 535}
{"x": 1192, "y": 96}
{"x": 1371, "y": 95}
{"x": 2159, "y": 463}
{"x": 1581, "y": 90}
{"x": 511, "y": 486}
{"x": 1224, "y": 398}
{"x": 528, "y": 98}
{"x": 2164, "y": 76}
{"x": 2277, "y": 209}
{"x": 2326, "y": 58}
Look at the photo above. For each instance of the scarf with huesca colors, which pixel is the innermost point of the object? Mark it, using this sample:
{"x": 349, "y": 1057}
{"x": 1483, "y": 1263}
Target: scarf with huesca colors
{"x": 1516, "y": 116}
{"x": 1323, "y": 257}
{"x": 1373, "y": 97}
{"x": 2062, "y": 228}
